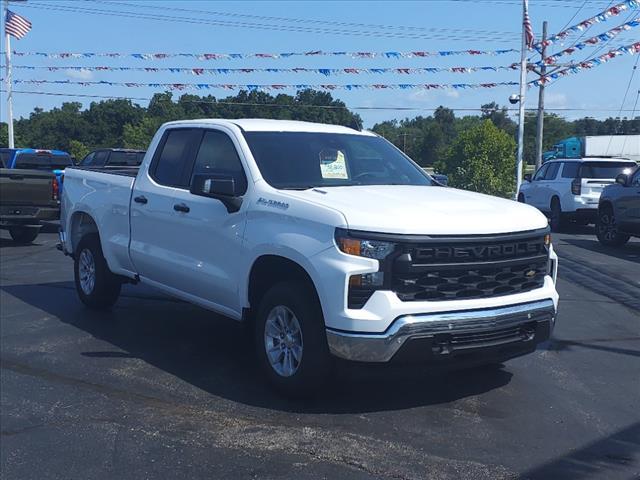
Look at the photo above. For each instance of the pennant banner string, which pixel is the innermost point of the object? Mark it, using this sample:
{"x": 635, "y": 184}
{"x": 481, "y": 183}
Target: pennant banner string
{"x": 226, "y": 71}
{"x": 268, "y": 87}
{"x": 587, "y": 64}
{"x": 603, "y": 37}
{"x": 233, "y": 56}
{"x": 585, "y": 24}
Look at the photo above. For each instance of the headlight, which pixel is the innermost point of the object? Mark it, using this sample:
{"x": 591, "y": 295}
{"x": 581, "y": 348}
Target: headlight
{"x": 360, "y": 247}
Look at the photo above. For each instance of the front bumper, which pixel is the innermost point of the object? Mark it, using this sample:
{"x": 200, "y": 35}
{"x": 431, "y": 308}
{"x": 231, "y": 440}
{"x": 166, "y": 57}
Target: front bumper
{"x": 448, "y": 334}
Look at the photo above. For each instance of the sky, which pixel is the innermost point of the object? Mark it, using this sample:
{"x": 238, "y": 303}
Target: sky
{"x": 172, "y": 26}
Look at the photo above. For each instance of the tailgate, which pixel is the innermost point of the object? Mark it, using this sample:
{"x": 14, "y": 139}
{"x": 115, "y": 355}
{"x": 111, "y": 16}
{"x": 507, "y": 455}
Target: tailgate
{"x": 26, "y": 187}
{"x": 593, "y": 187}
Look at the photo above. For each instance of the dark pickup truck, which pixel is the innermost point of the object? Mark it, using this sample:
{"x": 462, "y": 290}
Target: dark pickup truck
{"x": 27, "y": 198}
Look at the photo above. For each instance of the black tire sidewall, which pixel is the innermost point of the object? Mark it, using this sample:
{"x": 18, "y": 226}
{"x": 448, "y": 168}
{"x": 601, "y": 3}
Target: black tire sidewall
{"x": 557, "y": 220}
{"x": 107, "y": 285}
{"x": 618, "y": 239}
{"x": 316, "y": 361}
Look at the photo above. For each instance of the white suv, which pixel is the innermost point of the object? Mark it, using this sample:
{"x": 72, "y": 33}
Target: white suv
{"x": 569, "y": 189}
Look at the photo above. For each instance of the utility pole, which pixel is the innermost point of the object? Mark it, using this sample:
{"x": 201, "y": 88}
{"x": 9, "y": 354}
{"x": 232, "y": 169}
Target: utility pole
{"x": 9, "y": 81}
{"x": 523, "y": 87}
{"x": 404, "y": 142}
{"x": 540, "y": 125}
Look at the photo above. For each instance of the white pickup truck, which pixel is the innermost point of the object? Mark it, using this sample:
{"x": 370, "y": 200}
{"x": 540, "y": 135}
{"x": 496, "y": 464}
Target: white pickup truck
{"x": 330, "y": 241}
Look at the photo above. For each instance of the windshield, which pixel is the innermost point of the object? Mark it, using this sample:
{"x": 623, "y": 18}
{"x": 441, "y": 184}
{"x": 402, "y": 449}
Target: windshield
{"x": 605, "y": 169}
{"x": 42, "y": 161}
{"x": 298, "y": 160}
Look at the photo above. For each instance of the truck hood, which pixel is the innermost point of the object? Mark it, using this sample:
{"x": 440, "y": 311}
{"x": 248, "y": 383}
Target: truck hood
{"x": 424, "y": 210}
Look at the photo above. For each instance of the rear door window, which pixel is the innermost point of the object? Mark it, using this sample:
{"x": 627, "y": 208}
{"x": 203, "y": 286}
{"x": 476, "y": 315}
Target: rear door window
{"x": 570, "y": 170}
{"x": 608, "y": 170}
{"x": 552, "y": 171}
{"x": 172, "y": 159}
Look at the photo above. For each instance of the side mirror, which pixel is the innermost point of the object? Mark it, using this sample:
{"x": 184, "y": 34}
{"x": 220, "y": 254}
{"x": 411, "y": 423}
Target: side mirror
{"x": 527, "y": 177}
{"x": 220, "y": 187}
{"x": 622, "y": 179}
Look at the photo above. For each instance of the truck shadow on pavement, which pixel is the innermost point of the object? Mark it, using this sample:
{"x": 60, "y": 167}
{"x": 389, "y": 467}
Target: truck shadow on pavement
{"x": 214, "y": 354}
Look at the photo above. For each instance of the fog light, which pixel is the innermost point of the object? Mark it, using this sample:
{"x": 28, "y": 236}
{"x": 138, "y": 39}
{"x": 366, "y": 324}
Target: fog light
{"x": 375, "y": 279}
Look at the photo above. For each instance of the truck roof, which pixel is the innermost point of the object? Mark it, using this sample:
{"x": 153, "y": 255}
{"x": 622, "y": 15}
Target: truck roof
{"x": 591, "y": 159}
{"x": 266, "y": 125}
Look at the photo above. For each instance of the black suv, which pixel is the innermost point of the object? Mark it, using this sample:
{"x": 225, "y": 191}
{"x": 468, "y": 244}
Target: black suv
{"x": 113, "y": 157}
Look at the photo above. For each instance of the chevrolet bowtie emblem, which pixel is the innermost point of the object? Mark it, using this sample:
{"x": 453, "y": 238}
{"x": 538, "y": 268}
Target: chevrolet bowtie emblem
{"x": 530, "y": 274}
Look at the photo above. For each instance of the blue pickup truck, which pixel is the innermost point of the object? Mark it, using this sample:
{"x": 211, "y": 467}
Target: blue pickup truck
{"x": 35, "y": 159}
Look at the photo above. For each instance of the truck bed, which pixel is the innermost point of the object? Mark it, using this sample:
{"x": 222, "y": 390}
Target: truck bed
{"x": 124, "y": 171}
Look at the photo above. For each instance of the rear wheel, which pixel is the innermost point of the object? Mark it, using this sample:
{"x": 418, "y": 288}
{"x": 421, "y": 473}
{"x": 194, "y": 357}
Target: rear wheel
{"x": 24, "y": 234}
{"x": 291, "y": 339}
{"x": 97, "y": 287}
{"x": 557, "y": 220}
{"x": 607, "y": 229}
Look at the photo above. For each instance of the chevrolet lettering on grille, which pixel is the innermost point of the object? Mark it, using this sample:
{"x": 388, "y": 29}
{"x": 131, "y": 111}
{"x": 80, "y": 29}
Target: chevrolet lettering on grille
{"x": 479, "y": 252}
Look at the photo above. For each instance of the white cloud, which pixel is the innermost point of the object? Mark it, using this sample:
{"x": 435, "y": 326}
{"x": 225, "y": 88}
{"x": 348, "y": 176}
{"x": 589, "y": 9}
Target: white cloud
{"x": 79, "y": 74}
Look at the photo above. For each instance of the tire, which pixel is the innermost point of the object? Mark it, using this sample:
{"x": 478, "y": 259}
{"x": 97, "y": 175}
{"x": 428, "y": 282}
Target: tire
{"x": 521, "y": 198}
{"x": 97, "y": 287}
{"x": 607, "y": 230}
{"x": 24, "y": 235}
{"x": 298, "y": 374}
{"x": 557, "y": 220}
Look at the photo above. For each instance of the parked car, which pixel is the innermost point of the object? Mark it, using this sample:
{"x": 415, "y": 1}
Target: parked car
{"x": 36, "y": 159}
{"x": 619, "y": 210}
{"x": 570, "y": 189}
{"x": 113, "y": 157}
{"x": 328, "y": 240}
{"x": 27, "y": 198}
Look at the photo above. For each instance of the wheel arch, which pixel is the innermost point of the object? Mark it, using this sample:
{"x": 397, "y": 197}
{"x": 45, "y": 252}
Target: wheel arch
{"x": 269, "y": 269}
{"x": 81, "y": 224}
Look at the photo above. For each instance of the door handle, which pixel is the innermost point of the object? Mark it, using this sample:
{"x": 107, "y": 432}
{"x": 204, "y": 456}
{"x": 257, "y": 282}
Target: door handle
{"x": 141, "y": 199}
{"x": 181, "y": 207}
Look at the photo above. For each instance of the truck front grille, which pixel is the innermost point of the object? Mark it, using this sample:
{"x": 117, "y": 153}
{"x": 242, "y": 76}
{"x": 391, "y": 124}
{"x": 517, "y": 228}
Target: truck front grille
{"x": 469, "y": 268}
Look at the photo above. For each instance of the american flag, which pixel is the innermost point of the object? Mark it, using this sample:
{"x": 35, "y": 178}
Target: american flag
{"x": 16, "y": 26}
{"x": 528, "y": 29}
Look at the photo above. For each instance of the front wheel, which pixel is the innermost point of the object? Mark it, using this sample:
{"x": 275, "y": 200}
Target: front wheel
{"x": 24, "y": 235}
{"x": 557, "y": 221}
{"x": 291, "y": 339}
{"x": 98, "y": 288}
{"x": 607, "y": 229}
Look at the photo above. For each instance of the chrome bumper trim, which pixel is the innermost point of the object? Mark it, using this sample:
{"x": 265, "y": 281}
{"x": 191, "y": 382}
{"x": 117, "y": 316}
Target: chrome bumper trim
{"x": 381, "y": 347}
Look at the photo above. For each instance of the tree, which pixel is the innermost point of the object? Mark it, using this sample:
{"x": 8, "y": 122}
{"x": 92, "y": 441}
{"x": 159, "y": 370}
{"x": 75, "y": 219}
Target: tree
{"x": 139, "y": 136}
{"x": 78, "y": 150}
{"x": 482, "y": 159}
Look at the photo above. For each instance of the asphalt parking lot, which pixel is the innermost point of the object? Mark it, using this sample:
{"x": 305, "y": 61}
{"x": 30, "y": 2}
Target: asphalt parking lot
{"x": 161, "y": 389}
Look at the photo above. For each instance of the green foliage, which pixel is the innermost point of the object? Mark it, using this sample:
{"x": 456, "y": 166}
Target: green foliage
{"x": 4, "y": 135}
{"x": 121, "y": 123}
{"x": 433, "y": 141}
{"x": 482, "y": 159}
{"x": 78, "y": 150}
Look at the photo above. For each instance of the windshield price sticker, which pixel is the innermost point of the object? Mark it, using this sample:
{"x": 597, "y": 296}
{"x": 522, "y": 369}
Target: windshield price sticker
{"x": 333, "y": 164}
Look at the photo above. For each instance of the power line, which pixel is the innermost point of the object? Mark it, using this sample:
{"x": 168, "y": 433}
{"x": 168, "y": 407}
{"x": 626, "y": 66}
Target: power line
{"x": 283, "y": 28}
{"x": 296, "y": 105}
{"x": 296, "y": 20}
{"x": 626, "y": 92}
